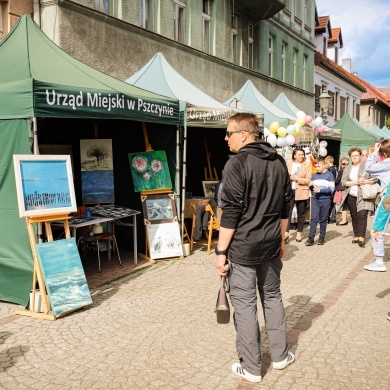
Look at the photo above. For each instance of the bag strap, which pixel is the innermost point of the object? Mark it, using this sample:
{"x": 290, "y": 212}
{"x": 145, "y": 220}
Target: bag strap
{"x": 225, "y": 280}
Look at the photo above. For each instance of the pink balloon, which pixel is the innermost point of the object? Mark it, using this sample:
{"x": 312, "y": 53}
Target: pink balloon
{"x": 320, "y": 129}
{"x": 308, "y": 119}
{"x": 297, "y": 140}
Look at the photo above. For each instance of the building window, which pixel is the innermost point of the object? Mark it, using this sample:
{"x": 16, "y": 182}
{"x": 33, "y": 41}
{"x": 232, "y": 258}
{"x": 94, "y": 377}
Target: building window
{"x": 325, "y": 46}
{"x": 235, "y": 43}
{"x": 304, "y": 72}
{"x": 283, "y": 62}
{"x": 206, "y": 17}
{"x": 336, "y": 55}
{"x": 297, "y": 9}
{"x": 347, "y": 103}
{"x": 147, "y": 14}
{"x": 270, "y": 55}
{"x": 336, "y": 105}
{"x": 1, "y": 21}
{"x": 179, "y": 16}
{"x": 307, "y": 13}
{"x": 250, "y": 46}
{"x": 353, "y": 108}
{"x": 295, "y": 67}
{"x": 109, "y": 7}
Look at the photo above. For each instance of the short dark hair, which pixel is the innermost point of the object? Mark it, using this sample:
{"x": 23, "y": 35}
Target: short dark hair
{"x": 384, "y": 149}
{"x": 248, "y": 122}
{"x": 354, "y": 150}
{"x": 295, "y": 152}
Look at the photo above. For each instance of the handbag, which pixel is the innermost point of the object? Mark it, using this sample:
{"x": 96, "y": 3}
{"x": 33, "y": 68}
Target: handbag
{"x": 386, "y": 203}
{"x": 370, "y": 191}
{"x": 222, "y": 307}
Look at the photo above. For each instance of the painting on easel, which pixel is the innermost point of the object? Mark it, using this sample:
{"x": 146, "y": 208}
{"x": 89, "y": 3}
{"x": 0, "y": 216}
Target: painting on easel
{"x": 209, "y": 188}
{"x": 64, "y": 275}
{"x": 149, "y": 170}
{"x": 159, "y": 208}
{"x": 164, "y": 240}
{"x": 97, "y": 172}
{"x": 44, "y": 185}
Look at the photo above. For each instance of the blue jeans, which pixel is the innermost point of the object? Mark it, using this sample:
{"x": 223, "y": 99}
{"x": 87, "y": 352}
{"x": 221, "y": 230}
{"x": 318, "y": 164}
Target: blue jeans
{"x": 319, "y": 214}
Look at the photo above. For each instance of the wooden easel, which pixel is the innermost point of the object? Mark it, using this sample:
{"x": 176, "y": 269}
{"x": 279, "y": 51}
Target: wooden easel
{"x": 208, "y": 172}
{"x": 37, "y": 272}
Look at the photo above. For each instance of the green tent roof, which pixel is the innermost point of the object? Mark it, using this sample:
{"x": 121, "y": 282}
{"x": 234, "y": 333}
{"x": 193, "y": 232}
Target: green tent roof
{"x": 353, "y": 133}
{"x": 254, "y": 101}
{"x": 283, "y": 102}
{"x": 37, "y": 78}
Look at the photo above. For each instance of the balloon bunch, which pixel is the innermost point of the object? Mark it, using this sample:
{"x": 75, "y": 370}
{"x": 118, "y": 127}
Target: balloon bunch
{"x": 277, "y": 135}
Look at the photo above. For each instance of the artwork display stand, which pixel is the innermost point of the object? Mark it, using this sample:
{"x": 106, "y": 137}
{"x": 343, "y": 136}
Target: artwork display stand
{"x": 209, "y": 174}
{"x": 37, "y": 272}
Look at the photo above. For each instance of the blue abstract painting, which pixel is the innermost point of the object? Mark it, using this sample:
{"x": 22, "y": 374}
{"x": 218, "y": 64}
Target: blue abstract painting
{"x": 64, "y": 275}
{"x": 45, "y": 184}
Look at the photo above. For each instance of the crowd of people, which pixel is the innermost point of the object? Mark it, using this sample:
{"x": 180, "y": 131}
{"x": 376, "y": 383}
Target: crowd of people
{"x": 260, "y": 196}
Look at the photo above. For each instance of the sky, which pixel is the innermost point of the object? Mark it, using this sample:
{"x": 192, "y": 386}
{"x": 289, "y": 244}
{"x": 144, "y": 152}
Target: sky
{"x": 365, "y": 28}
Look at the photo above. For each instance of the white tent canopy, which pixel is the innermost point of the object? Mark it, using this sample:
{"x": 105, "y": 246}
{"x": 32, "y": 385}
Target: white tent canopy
{"x": 283, "y": 102}
{"x": 202, "y": 110}
{"x": 253, "y": 101}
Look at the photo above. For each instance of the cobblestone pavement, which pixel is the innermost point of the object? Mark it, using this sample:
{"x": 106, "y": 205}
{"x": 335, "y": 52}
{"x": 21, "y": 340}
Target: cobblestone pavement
{"x": 156, "y": 329}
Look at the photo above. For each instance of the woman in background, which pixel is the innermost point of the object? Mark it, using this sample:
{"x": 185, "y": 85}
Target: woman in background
{"x": 300, "y": 176}
{"x": 338, "y": 196}
{"x": 354, "y": 176}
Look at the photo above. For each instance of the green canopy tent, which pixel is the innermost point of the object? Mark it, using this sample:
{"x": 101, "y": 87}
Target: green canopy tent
{"x": 353, "y": 134}
{"x": 285, "y": 104}
{"x": 376, "y": 130}
{"x": 253, "y": 101}
{"x": 39, "y": 80}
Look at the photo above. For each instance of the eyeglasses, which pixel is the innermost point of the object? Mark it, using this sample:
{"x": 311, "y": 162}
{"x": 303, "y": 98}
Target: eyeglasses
{"x": 229, "y": 133}
{"x": 355, "y": 155}
{"x": 344, "y": 163}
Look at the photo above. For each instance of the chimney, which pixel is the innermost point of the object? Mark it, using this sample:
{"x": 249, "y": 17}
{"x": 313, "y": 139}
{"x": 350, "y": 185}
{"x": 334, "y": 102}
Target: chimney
{"x": 346, "y": 64}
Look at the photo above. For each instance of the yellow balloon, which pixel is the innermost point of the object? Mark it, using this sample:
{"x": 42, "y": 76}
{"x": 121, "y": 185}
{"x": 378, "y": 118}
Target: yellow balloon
{"x": 273, "y": 127}
{"x": 282, "y": 132}
{"x": 301, "y": 121}
{"x": 296, "y": 133}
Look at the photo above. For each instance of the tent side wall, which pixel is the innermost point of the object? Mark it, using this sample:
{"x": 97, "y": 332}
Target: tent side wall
{"x": 16, "y": 261}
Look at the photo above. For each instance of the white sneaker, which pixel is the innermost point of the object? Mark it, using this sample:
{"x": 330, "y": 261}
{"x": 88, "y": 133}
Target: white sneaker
{"x": 375, "y": 266}
{"x": 238, "y": 370}
{"x": 284, "y": 363}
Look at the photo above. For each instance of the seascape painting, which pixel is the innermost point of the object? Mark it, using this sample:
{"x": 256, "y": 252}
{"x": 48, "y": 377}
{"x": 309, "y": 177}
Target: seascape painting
{"x": 97, "y": 170}
{"x": 149, "y": 170}
{"x": 164, "y": 240}
{"x": 64, "y": 275}
{"x": 159, "y": 208}
{"x": 44, "y": 185}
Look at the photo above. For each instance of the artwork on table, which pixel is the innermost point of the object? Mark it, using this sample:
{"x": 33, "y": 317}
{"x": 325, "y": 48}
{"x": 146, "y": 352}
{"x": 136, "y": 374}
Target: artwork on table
{"x": 113, "y": 211}
{"x": 164, "y": 240}
{"x": 209, "y": 188}
{"x": 44, "y": 185}
{"x": 149, "y": 170}
{"x": 97, "y": 172}
{"x": 64, "y": 276}
{"x": 159, "y": 208}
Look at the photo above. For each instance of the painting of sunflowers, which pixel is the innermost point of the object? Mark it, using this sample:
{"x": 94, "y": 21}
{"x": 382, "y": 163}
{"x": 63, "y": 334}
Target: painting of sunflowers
{"x": 149, "y": 170}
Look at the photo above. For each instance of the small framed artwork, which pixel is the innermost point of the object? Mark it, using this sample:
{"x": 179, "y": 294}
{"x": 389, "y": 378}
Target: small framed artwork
{"x": 209, "y": 188}
{"x": 44, "y": 185}
{"x": 159, "y": 208}
{"x": 164, "y": 240}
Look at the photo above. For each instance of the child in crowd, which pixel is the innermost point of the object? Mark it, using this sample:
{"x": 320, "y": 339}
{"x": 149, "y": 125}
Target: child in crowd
{"x": 322, "y": 187}
{"x": 329, "y": 160}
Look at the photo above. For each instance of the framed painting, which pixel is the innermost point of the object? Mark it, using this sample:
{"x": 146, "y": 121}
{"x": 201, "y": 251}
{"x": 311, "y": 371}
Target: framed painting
{"x": 64, "y": 276}
{"x": 97, "y": 171}
{"x": 149, "y": 170}
{"x": 164, "y": 240}
{"x": 159, "y": 208}
{"x": 57, "y": 149}
{"x": 44, "y": 185}
{"x": 209, "y": 188}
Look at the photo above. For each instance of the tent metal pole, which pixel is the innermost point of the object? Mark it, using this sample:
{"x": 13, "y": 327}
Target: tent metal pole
{"x": 184, "y": 170}
{"x": 35, "y": 152}
{"x": 177, "y": 174}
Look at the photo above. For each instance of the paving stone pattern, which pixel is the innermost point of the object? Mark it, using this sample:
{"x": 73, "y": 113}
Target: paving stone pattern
{"x": 156, "y": 329}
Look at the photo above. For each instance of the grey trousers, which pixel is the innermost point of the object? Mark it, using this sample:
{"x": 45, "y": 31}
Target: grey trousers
{"x": 243, "y": 282}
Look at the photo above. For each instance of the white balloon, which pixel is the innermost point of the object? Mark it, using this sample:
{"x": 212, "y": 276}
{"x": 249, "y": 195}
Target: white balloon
{"x": 266, "y": 132}
{"x": 318, "y": 121}
{"x": 290, "y": 140}
{"x": 306, "y": 149}
{"x": 297, "y": 126}
{"x": 272, "y": 139}
{"x": 323, "y": 152}
{"x": 281, "y": 141}
{"x": 324, "y": 144}
{"x": 291, "y": 129}
{"x": 301, "y": 114}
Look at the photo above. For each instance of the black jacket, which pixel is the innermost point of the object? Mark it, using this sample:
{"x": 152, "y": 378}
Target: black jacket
{"x": 256, "y": 194}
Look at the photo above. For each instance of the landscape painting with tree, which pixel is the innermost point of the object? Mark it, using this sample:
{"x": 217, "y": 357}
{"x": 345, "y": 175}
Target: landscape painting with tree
{"x": 97, "y": 174}
{"x": 149, "y": 170}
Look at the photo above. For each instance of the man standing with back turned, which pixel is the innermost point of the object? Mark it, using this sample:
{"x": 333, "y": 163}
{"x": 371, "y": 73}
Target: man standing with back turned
{"x": 255, "y": 202}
